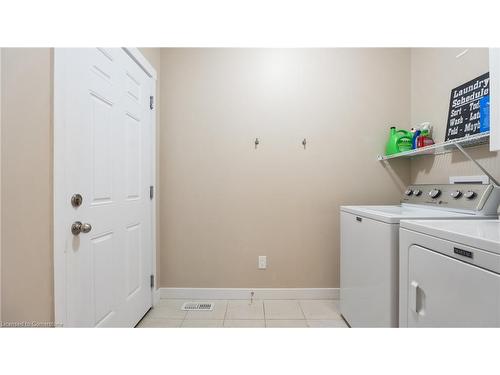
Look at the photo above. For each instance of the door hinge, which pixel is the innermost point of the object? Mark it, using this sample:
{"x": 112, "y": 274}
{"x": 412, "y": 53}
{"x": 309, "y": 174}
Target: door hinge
{"x": 152, "y": 281}
{"x": 151, "y": 192}
{"x": 151, "y": 101}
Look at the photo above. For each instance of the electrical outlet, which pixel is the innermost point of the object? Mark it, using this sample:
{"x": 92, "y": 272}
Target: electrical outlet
{"x": 262, "y": 262}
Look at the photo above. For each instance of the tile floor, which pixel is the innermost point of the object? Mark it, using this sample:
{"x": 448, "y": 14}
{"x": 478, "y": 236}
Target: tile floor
{"x": 243, "y": 313}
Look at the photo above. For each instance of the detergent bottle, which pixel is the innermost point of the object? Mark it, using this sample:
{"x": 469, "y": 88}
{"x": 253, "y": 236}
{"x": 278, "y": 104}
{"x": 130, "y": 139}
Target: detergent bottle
{"x": 425, "y": 138}
{"x": 399, "y": 140}
{"x": 416, "y": 134}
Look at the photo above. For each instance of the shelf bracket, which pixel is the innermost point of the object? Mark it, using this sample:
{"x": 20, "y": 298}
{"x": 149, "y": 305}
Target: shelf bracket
{"x": 461, "y": 149}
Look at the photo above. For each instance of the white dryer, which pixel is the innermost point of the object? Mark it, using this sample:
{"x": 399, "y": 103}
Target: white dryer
{"x": 449, "y": 273}
{"x": 369, "y": 245}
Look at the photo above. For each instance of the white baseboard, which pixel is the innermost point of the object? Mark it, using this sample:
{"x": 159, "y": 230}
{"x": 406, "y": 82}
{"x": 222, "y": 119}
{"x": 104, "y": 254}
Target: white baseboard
{"x": 156, "y": 297}
{"x": 245, "y": 293}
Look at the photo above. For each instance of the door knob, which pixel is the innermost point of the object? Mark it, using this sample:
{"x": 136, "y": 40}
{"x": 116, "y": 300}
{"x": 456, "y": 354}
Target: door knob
{"x": 86, "y": 227}
{"x": 76, "y": 200}
{"x": 78, "y": 227}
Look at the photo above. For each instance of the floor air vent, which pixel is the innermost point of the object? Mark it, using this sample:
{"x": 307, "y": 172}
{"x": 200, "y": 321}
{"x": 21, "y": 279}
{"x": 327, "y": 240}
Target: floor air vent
{"x": 198, "y": 306}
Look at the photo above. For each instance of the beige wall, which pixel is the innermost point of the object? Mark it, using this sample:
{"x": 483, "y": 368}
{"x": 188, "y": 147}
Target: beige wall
{"x": 434, "y": 72}
{"x": 27, "y": 286}
{"x": 224, "y": 203}
{"x": 26, "y": 194}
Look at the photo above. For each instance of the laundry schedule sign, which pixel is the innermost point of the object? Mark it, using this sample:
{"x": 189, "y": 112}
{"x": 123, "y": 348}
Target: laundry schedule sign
{"x": 465, "y": 112}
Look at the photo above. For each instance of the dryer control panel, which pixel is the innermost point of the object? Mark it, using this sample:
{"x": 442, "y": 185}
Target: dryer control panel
{"x": 475, "y": 198}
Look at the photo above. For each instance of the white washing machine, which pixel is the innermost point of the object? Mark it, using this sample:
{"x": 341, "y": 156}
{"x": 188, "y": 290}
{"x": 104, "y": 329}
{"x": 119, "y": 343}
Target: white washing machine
{"x": 449, "y": 273}
{"x": 369, "y": 245}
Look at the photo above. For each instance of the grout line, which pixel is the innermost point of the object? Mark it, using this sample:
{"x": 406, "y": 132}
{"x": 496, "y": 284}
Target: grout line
{"x": 225, "y": 314}
{"x": 304, "y": 315}
{"x": 265, "y": 317}
{"x": 183, "y": 320}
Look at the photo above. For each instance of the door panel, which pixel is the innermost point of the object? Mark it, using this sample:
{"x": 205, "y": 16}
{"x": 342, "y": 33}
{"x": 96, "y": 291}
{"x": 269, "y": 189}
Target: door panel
{"x": 133, "y": 259}
{"x": 133, "y": 87}
{"x": 101, "y": 130}
{"x": 107, "y": 136}
{"x": 103, "y": 260}
{"x": 133, "y": 131}
{"x": 445, "y": 292}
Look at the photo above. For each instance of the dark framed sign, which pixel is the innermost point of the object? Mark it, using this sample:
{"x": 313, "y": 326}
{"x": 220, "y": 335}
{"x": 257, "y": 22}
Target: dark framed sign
{"x": 465, "y": 112}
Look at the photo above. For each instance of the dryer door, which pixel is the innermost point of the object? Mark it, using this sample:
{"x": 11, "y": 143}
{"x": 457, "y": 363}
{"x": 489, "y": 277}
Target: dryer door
{"x": 445, "y": 292}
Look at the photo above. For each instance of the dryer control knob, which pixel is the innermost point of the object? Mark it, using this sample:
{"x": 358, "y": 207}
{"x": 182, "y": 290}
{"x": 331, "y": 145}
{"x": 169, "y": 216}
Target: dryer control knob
{"x": 434, "y": 193}
{"x": 456, "y": 194}
{"x": 417, "y": 192}
{"x": 408, "y": 192}
{"x": 470, "y": 195}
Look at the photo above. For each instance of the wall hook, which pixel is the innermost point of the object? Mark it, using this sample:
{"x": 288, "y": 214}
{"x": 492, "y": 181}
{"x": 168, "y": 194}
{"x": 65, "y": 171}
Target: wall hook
{"x": 257, "y": 142}
{"x": 304, "y": 143}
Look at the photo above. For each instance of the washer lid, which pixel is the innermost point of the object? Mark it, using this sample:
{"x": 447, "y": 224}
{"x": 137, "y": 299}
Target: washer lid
{"x": 395, "y": 213}
{"x": 481, "y": 234}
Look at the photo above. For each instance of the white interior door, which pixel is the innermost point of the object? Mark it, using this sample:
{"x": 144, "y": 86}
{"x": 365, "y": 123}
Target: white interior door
{"x": 104, "y": 125}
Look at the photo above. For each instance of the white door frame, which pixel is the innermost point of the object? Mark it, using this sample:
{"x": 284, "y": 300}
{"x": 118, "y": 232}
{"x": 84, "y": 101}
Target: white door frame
{"x": 494, "y": 99}
{"x": 60, "y": 204}
{"x": 0, "y": 186}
